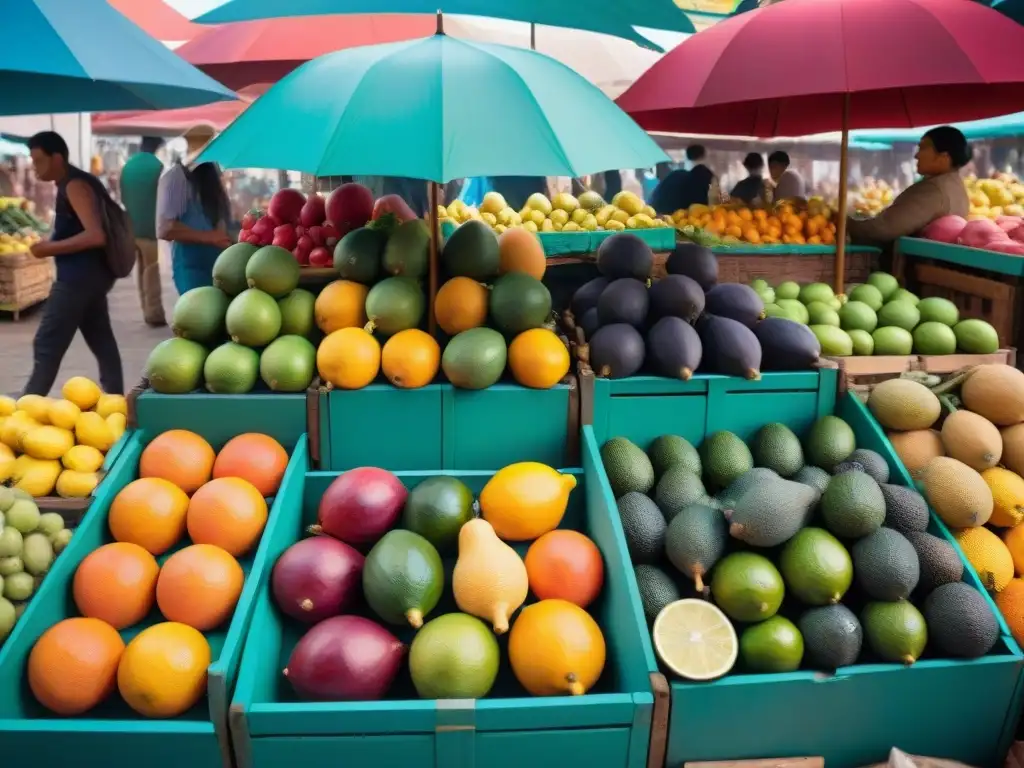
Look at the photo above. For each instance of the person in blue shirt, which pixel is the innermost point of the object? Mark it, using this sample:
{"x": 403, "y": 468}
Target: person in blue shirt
{"x": 193, "y": 213}
{"x": 77, "y": 245}
{"x": 681, "y": 189}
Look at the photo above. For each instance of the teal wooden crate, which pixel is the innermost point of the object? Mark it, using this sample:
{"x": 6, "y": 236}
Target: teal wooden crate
{"x": 382, "y": 426}
{"x": 607, "y": 728}
{"x": 113, "y": 735}
{"x": 220, "y": 417}
{"x": 919, "y": 709}
{"x": 494, "y": 427}
{"x": 644, "y": 407}
{"x": 572, "y": 243}
{"x": 962, "y": 255}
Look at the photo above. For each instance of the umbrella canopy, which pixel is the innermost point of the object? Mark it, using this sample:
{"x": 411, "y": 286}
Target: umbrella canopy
{"x": 438, "y": 109}
{"x": 175, "y": 122}
{"x": 159, "y": 20}
{"x": 58, "y": 56}
{"x": 975, "y": 130}
{"x": 606, "y": 16}
{"x": 265, "y": 51}
{"x": 789, "y": 68}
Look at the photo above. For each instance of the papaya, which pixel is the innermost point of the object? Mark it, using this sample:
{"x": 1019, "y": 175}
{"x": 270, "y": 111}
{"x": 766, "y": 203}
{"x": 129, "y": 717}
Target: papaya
{"x": 521, "y": 251}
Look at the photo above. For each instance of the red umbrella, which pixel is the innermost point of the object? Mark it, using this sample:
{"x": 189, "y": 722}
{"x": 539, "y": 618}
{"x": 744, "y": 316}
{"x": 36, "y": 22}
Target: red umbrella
{"x": 175, "y": 122}
{"x": 265, "y": 51}
{"x": 809, "y": 66}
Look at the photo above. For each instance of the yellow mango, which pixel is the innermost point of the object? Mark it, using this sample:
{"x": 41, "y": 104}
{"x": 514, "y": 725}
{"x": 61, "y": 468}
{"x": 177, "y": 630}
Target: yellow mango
{"x": 76, "y": 485}
{"x": 48, "y": 442}
{"x": 93, "y": 430}
{"x": 39, "y": 477}
{"x": 83, "y": 458}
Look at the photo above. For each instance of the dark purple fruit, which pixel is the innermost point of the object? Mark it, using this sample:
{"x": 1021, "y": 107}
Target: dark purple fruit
{"x": 586, "y": 295}
{"x": 730, "y": 348}
{"x": 694, "y": 261}
{"x": 673, "y": 348}
{"x": 676, "y": 296}
{"x": 616, "y": 351}
{"x": 624, "y": 301}
{"x": 736, "y": 301}
{"x": 625, "y": 255}
{"x": 786, "y": 345}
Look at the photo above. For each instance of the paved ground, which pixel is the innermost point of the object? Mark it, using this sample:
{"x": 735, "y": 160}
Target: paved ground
{"x": 134, "y": 337}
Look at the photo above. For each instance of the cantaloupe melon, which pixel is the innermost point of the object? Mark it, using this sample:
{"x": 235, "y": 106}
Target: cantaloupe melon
{"x": 957, "y": 493}
{"x": 972, "y": 439}
{"x": 917, "y": 448}
{"x": 520, "y": 251}
{"x": 995, "y": 392}
{"x": 903, "y": 404}
{"x": 1013, "y": 448}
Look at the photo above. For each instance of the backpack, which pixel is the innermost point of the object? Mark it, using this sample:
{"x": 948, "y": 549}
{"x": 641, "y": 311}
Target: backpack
{"x": 120, "y": 248}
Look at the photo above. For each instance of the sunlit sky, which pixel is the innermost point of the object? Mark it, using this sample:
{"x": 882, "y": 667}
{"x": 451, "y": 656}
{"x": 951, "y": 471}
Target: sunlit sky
{"x": 193, "y": 8}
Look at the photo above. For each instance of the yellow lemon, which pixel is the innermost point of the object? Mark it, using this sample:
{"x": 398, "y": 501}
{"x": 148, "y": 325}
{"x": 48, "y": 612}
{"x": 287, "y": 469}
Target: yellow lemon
{"x": 7, "y": 459}
{"x": 117, "y": 423}
{"x": 82, "y": 458}
{"x": 8, "y": 405}
{"x": 92, "y": 430}
{"x": 81, "y": 391}
{"x": 525, "y": 500}
{"x": 64, "y": 414}
{"x": 16, "y": 427}
{"x": 38, "y": 477}
{"x": 36, "y": 406}
{"x": 556, "y": 648}
{"x": 47, "y": 442}
{"x": 108, "y": 404}
{"x": 76, "y": 485}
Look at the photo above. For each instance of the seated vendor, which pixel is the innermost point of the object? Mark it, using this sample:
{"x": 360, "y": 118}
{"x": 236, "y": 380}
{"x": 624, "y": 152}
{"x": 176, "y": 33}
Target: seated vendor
{"x": 941, "y": 153}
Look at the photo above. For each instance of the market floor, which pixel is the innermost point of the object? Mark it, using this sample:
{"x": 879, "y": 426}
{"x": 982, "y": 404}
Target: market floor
{"x": 134, "y": 337}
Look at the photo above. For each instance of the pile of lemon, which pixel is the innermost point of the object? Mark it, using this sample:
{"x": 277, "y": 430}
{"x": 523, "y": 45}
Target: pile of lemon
{"x": 50, "y": 445}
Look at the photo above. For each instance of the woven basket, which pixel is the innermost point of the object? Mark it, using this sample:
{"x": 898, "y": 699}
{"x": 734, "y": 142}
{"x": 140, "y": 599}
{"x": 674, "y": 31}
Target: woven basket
{"x": 24, "y": 281}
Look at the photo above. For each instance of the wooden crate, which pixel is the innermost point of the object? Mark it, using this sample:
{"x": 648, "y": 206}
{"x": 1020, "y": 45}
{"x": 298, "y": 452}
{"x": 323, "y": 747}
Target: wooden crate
{"x": 771, "y": 762}
{"x": 860, "y": 374}
{"x": 24, "y": 282}
{"x": 775, "y": 267}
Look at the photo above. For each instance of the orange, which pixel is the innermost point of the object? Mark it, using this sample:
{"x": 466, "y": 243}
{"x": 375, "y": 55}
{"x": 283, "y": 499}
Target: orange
{"x": 1011, "y": 604}
{"x": 182, "y": 457}
{"x": 163, "y": 670}
{"x": 229, "y": 513}
{"x": 260, "y": 459}
{"x": 341, "y": 304}
{"x": 73, "y": 666}
{"x": 565, "y": 565}
{"x": 348, "y": 359}
{"x": 555, "y": 648}
{"x": 1014, "y": 541}
{"x": 199, "y": 586}
{"x": 116, "y": 583}
{"x": 149, "y": 512}
{"x": 410, "y": 359}
{"x": 520, "y": 251}
{"x": 538, "y": 358}
{"x": 461, "y": 304}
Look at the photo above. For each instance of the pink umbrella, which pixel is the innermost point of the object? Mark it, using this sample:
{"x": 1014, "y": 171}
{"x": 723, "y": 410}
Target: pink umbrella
{"x": 174, "y": 122}
{"x": 808, "y": 66}
{"x": 159, "y": 19}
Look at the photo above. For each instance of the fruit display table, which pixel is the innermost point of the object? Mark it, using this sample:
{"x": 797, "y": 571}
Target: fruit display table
{"x": 24, "y": 282}
{"x": 983, "y": 284}
{"x": 914, "y": 716}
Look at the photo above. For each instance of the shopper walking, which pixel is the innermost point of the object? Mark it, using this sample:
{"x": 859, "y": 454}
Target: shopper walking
{"x": 140, "y": 178}
{"x": 193, "y": 213}
{"x": 78, "y": 299}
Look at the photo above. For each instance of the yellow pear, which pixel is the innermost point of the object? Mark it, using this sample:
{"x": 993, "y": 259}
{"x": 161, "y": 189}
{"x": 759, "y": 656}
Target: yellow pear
{"x": 489, "y": 580}
{"x": 492, "y": 203}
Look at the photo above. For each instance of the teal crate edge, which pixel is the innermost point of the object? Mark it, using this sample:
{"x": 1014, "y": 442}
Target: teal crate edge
{"x": 962, "y": 255}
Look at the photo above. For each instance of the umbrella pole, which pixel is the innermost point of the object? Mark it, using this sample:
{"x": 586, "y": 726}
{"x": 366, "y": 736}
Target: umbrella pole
{"x": 841, "y": 224}
{"x": 533, "y": 36}
{"x": 435, "y": 236}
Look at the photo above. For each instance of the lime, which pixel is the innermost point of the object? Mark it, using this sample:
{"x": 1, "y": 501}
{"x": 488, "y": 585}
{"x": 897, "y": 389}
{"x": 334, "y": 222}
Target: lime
{"x": 767, "y": 295}
{"x": 795, "y": 310}
{"x": 834, "y": 341}
{"x": 886, "y": 284}
{"x": 816, "y": 292}
{"x": 787, "y": 290}
{"x": 759, "y": 284}
{"x": 775, "y": 645}
{"x": 857, "y": 316}
{"x": 774, "y": 310}
{"x": 820, "y": 313}
{"x": 938, "y": 310}
{"x": 869, "y": 295}
{"x": 454, "y": 656}
{"x": 747, "y": 587}
{"x": 436, "y": 509}
{"x": 933, "y": 338}
{"x": 899, "y": 314}
{"x": 695, "y": 639}
{"x": 816, "y": 567}
{"x": 976, "y": 337}
{"x": 863, "y": 343}
{"x": 892, "y": 341}
{"x": 904, "y": 295}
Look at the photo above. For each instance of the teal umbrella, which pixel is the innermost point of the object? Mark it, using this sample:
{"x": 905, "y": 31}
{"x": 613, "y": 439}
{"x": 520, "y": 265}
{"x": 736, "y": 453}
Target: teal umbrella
{"x": 83, "y": 56}
{"x": 975, "y": 130}
{"x": 438, "y": 108}
{"x": 611, "y": 17}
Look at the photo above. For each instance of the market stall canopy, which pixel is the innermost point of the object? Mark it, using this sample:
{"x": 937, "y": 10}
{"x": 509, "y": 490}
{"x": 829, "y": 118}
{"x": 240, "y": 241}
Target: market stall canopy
{"x": 438, "y": 109}
{"x": 58, "y": 56}
{"x": 265, "y": 51}
{"x": 606, "y": 16}
{"x": 975, "y": 130}
{"x": 823, "y": 52}
{"x": 174, "y": 122}
{"x": 159, "y": 20}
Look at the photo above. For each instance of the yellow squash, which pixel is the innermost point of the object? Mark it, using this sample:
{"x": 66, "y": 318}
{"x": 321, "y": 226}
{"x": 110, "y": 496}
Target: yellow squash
{"x": 489, "y": 580}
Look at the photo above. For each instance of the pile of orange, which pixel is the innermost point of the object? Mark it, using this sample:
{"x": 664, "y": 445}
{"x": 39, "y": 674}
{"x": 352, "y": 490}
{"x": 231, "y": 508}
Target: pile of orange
{"x": 784, "y": 223}
{"x": 184, "y": 487}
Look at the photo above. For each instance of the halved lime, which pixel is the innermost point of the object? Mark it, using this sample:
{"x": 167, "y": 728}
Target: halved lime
{"x": 695, "y": 639}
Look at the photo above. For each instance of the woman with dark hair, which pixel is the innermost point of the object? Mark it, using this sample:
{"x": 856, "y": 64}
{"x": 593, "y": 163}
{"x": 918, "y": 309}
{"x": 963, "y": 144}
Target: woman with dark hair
{"x": 193, "y": 213}
{"x": 941, "y": 153}
{"x": 751, "y": 189}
